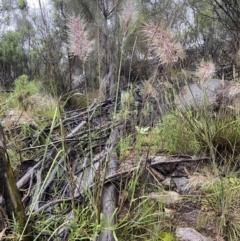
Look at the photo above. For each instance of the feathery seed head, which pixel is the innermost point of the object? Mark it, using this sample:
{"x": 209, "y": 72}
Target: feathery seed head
{"x": 163, "y": 44}
{"x": 128, "y": 13}
{"x": 205, "y": 70}
{"x": 78, "y": 38}
{"x": 128, "y": 17}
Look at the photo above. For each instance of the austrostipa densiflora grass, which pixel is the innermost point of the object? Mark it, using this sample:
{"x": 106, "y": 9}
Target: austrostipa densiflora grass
{"x": 162, "y": 42}
{"x": 223, "y": 205}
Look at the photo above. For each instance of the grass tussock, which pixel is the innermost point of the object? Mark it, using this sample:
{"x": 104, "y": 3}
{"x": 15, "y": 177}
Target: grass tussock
{"x": 222, "y": 202}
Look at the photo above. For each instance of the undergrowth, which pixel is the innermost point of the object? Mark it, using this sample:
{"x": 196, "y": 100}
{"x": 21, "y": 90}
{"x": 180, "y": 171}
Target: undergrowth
{"x": 194, "y": 131}
{"x": 29, "y": 97}
{"x": 199, "y": 132}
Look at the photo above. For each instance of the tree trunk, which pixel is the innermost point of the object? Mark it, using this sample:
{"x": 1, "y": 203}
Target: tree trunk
{"x": 9, "y": 191}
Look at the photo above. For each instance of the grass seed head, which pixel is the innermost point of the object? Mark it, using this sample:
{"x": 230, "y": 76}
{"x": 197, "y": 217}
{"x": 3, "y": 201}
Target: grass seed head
{"x": 78, "y": 38}
{"x": 163, "y": 44}
{"x": 128, "y": 17}
{"x": 206, "y": 70}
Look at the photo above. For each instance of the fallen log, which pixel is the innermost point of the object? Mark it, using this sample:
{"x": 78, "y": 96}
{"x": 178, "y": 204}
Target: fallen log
{"x": 109, "y": 204}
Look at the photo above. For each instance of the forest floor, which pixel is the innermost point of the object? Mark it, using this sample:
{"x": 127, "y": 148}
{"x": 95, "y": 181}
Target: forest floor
{"x": 182, "y": 172}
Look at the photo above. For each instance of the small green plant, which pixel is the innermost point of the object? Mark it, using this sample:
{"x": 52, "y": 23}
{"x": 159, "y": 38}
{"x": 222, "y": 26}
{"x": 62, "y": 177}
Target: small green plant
{"x": 21, "y": 91}
{"x": 28, "y": 99}
{"x": 15, "y": 230}
{"x": 124, "y": 147}
{"x": 85, "y": 225}
{"x": 128, "y": 106}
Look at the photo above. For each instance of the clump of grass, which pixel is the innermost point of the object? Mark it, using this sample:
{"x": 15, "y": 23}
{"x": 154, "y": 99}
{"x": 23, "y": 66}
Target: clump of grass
{"x": 125, "y": 147}
{"x": 174, "y": 135}
{"x": 41, "y": 104}
{"x": 127, "y": 105}
{"x": 144, "y": 222}
{"x": 218, "y": 133}
{"x": 85, "y": 225}
{"x": 141, "y": 216}
{"x": 196, "y": 132}
{"x": 223, "y": 198}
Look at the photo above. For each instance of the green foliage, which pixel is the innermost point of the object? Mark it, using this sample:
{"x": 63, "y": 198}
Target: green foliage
{"x": 21, "y": 91}
{"x": 223, "y": 197}
{"x": 166, "y": 236}
{"x": 12, "y": 55}
{"x": 10, "y": 47}
{"x": 27, "y": 101}
{"x": 85, "y": 225}
{"x": 174, "y": 135}
{"x": 128, "y": 106}
{"x": 22, "y": 84}
{"x": 192, "y": 132}
{"x": 48, "y": 227}
{"x": 145, "y": 222}
{"x": 22, "y": 4}
{"x": 124, "y": 147}
{"x": 199, "y": 131}
{"x": 218, "y": 133}
{"x": 15, "y": 229}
